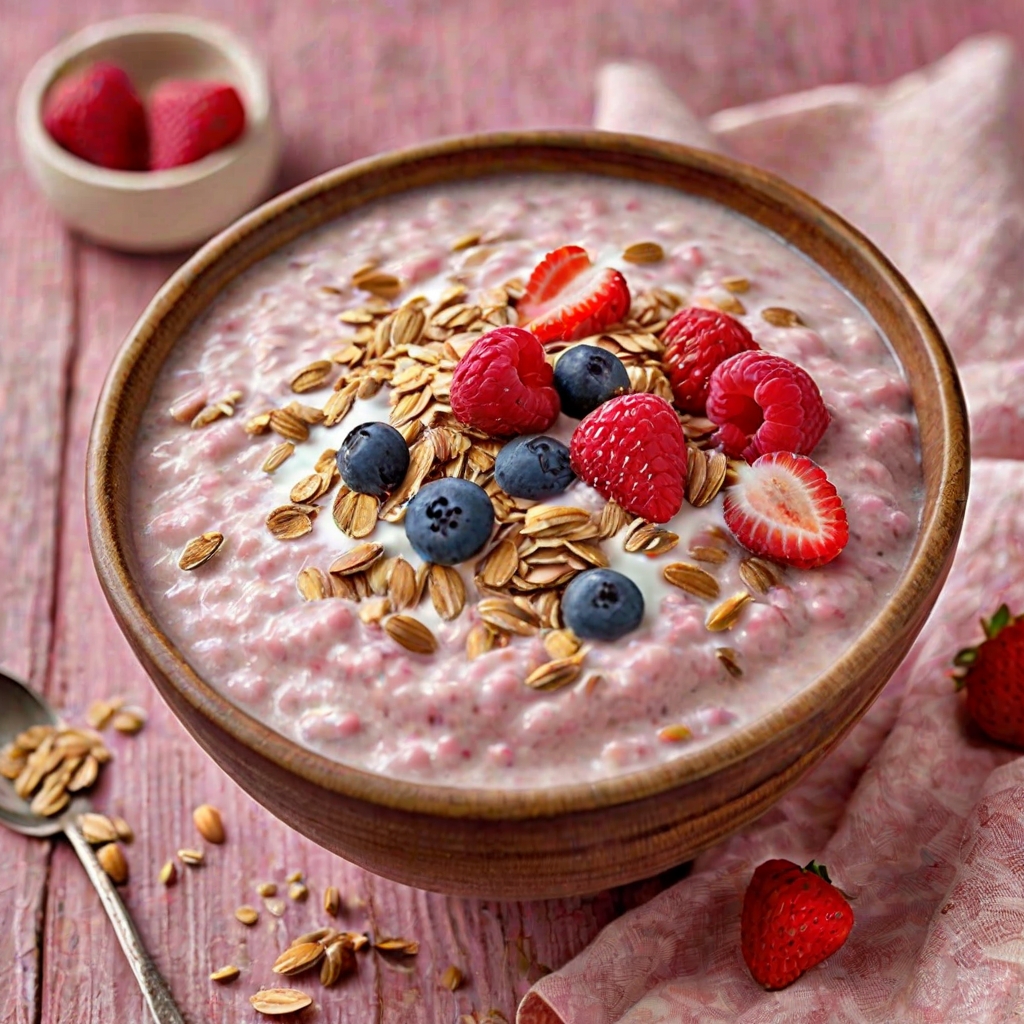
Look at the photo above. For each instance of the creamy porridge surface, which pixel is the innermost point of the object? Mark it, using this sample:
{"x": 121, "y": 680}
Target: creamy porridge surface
{"x": 316, "y": 672}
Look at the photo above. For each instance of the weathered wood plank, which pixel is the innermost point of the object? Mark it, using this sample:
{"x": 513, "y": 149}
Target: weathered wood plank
{"x": 351, "y": 80}
{"x": 36, "y": 344}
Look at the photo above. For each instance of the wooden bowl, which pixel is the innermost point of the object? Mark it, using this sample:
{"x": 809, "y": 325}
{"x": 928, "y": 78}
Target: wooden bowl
{"x": 569, "y": 839}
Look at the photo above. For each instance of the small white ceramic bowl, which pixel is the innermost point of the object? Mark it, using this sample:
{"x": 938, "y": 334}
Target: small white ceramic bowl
{"x": 154, "y": 211}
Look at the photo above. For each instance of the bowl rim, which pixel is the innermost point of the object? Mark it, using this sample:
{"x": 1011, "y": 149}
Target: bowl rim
{"x": 935, "y": 546}
{"x": 36, "y": 139}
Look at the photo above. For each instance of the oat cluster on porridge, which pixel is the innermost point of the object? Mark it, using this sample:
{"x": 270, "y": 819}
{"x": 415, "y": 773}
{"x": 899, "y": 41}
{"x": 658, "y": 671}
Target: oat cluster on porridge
{"x": 511, "y": 483}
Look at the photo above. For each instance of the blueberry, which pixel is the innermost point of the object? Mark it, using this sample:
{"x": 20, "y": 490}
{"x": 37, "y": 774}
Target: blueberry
{"x": 586, "y": 376}
{"x": 601, "y": 604}
{"x": 373, "y": 459}
{"x": 449, "y": 521}
{"x": 533, "y": 467}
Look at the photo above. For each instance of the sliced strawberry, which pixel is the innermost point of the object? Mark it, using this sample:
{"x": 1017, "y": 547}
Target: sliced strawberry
{"x": 567, "y": 297}
{"x": 783, "y": 507}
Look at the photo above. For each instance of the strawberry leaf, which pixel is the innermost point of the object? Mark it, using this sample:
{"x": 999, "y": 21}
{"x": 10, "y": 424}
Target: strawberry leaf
{"x": 968, "y": 656}
{"x": 997, "y": 622}
{"x": 820, "y": 870}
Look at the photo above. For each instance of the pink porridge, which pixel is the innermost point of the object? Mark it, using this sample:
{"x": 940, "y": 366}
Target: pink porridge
{"x": 333, "y": 659}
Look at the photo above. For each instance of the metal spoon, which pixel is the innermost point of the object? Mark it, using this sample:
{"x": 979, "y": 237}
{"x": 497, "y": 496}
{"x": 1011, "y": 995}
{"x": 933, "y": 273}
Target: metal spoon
{"x": 21, "y": 707}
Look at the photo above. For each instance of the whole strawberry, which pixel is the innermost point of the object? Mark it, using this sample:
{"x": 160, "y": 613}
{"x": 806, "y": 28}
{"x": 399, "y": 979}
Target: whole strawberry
{"x": 793, "y": 918}
{"x": 97, "y": 115}
{"x": 993, "y": 674}
{"x": 191, "y": 119}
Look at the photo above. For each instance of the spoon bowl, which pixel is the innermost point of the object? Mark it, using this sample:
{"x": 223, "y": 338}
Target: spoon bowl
{"x": 20, "y": 709}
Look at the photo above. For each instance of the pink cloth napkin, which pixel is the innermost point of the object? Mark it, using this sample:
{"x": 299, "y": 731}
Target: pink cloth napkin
{"x": 916, "y": 814}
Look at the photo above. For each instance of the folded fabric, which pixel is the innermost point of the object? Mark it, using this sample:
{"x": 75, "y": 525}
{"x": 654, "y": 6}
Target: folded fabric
{"x": 918, "y": 816}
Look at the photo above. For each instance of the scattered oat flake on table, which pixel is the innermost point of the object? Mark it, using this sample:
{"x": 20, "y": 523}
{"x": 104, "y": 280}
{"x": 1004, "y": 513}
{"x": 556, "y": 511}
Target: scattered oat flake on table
{"x": 247, "y": 915}
{"x": 410, "y": 947}
{"x": 97, "y": 828}
{"x": 275, "y": 905}
{"x": 323, "y": 935}
{"x": 124, "y": 831}
{"x": 168, "y": 873}
{"x": 129, "y": 720}
{"x": 113, "y": 862}
{"x": 208, "y": 823}
{"x": 225, "y": 974}
{"x": 100, "y": 713}
{"x": 452, "y": 977}
{"x": 332, "y": 901}
{"x": 193, "y": 858}
{"x": 298, "y": 958}
{"x": 339, "y": 960}
{"x": 274, "y": 1001}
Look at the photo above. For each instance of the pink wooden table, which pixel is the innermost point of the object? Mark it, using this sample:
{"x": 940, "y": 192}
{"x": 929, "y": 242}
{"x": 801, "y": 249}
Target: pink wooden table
{"x": 351, "y": 79}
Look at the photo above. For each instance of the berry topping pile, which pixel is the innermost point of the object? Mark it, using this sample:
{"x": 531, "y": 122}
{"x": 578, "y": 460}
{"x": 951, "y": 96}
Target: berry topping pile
{"x": 449, "y": 521}
{"x": 783, "y": 507}
{"x": 697, "y": 340}
{"x": 764, "y": 403}
{"x": 533, "y": 467}
{"x": 586, "y": 376}
{"x": 632, "y": 451}
{"x": 97, "y": 115}
{"x": 567, "y": 297}
{"x": 792, "y": 919}
{"x": 373, "y": 459}
{"x": 498, "y": 409}
{"x": 600, "y": 604}
{"x": 502, "y": 385}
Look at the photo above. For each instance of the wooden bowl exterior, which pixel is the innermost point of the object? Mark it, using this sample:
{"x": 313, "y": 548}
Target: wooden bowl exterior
{"x": 524, "y": 844}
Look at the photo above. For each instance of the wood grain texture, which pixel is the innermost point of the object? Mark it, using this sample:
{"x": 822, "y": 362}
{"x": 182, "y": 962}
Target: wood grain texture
{"x": 351, "y": 80}
{"x": 36, "y": 348}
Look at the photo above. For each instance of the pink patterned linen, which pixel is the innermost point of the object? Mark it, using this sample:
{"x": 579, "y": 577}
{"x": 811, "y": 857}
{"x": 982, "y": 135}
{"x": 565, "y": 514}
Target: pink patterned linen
{"x": 918, "y": 816}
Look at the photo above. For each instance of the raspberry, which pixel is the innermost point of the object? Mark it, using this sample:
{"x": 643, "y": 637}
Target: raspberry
{"x": 698, "y": 340}
{"x": 502, "y": 385}
{"x": 632, "y": 451}
{"x": 763, "y": 403}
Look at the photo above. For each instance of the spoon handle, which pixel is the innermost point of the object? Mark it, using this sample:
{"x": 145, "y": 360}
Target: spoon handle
{"x": 154, "y": 988}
